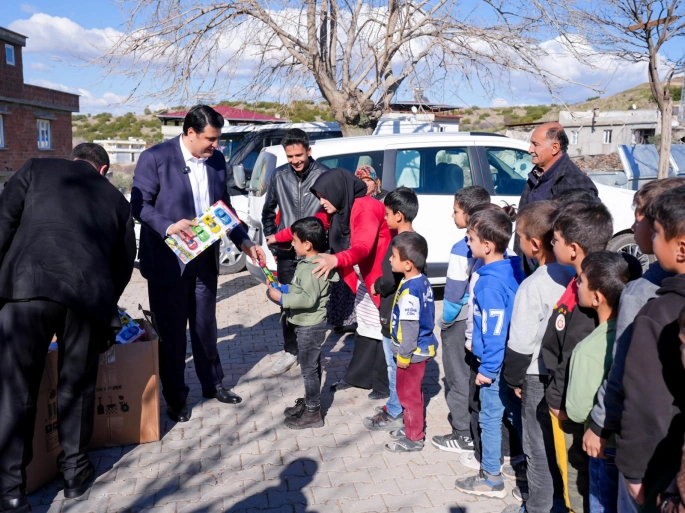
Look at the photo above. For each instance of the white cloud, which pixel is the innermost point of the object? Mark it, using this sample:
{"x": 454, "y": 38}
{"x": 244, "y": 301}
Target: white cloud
{"x": 90, "y": 102}
{"x": 28, "y": 8}
{"x": 57, "y": 37}
{"x": 499, "y": 102}
{"x": 39, "y": 66}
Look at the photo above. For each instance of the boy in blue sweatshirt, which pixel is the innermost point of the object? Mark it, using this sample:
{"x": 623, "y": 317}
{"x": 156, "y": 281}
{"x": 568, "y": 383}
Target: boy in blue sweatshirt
{"x": 452, "y": 323}
{"x": 489, "y": 233}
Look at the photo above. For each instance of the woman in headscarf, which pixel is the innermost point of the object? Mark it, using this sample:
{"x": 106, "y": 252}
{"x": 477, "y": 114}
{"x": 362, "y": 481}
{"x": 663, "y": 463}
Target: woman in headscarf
{"x": 359, "y": 238}
{"x": 373, "y": 184}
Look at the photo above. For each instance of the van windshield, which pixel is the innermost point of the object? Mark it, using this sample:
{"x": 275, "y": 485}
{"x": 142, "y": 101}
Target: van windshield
{"x": 230, "y": 143}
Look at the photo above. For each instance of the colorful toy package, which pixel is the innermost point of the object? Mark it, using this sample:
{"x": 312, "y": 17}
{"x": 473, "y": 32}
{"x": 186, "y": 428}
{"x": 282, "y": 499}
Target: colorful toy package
{"x": 130, "y": 329}
{"x": 215, "y": 222}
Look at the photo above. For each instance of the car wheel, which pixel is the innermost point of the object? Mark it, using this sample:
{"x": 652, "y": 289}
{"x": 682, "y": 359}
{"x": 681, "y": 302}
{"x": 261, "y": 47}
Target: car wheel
{"x": 231, "y": 260}
{"x": 625, "y": 243}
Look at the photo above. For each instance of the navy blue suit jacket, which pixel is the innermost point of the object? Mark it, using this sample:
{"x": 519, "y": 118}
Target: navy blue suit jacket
{"x": 162, "y": 196}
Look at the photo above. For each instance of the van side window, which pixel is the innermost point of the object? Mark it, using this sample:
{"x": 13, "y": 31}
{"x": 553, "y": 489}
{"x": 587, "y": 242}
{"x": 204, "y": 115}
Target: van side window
{"x": 433, "y": 170}
{"x": 509, "y": 168}
{"x": 352, "y": 161}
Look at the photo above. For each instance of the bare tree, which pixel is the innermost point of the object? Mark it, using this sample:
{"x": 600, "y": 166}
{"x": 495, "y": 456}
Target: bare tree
{"x": 635, "y": 31}
{"x": 356, "y": 53}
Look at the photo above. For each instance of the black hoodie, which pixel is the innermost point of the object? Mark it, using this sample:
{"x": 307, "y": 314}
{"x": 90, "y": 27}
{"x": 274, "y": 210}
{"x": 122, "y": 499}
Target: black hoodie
{"x": 653, "y": 422}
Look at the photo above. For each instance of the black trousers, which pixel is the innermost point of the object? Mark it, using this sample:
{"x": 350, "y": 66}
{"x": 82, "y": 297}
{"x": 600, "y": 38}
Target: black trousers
{"x": 286, "y": 271}
{"x": 26, "y": 329}
{"x": 367, "y": 368}
{"x": 190, "y": 301}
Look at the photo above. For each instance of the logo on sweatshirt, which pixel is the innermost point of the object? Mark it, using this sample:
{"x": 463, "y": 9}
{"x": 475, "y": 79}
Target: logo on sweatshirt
{"x": 560, "y": 322}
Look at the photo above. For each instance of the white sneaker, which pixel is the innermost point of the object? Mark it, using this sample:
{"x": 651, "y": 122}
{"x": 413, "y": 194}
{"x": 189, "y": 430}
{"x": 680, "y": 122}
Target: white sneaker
{"x": 468, "y": 459}
{"x": 283, "y": 364}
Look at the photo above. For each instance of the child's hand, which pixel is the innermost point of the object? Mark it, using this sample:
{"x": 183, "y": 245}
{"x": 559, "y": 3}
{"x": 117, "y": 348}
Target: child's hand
{"x": 482, "y": 380}
{"x": 402, "y": 365}
{"x": 559, "y": 414}
{"x": 274, "y": 293}
{"x": 594, "y": 445}
{"x": 518, "y": 392}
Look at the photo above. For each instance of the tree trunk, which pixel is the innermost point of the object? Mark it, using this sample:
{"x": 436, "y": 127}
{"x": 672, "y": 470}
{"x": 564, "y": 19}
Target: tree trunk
{"x": 666, "y": 136}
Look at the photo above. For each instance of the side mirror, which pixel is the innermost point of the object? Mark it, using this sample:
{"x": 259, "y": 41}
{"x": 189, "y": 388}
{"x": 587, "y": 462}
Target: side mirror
{"x": 239, "y": 176}
{"x": 621, "y": 178}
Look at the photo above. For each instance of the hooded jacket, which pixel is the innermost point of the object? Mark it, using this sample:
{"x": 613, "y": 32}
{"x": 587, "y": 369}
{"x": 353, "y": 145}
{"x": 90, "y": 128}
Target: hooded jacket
{"x": 653, "y": 421}
{"x": 290, "y": 193}
{"x": 493, "y": 304}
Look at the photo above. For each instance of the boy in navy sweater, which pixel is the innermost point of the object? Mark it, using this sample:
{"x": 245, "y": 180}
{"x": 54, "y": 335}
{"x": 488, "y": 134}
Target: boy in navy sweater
{"x": 489, "y": 233}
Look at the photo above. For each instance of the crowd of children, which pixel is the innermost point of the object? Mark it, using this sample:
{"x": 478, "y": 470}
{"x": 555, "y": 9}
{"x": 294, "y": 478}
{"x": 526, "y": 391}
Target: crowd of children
{"x": 570, "y": 379}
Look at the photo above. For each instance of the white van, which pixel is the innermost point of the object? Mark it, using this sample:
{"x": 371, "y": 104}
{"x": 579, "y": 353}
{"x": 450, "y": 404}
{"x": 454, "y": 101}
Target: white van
{"x": 435, "y": 165}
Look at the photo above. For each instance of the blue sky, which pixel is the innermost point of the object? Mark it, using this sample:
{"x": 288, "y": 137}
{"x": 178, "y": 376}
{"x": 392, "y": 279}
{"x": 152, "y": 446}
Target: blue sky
{"x": 61, "y": 35}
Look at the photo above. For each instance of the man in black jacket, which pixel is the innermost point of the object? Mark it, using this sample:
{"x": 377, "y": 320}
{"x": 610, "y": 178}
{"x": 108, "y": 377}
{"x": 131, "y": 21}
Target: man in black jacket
{"x": 553, "y": 173}
{"x": 67, "y": 247}
{"x": 288, "y": 191}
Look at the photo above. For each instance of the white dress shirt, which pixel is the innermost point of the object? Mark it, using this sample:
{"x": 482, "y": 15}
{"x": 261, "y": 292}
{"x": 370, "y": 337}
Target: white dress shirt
{"x": 198, "y": 179}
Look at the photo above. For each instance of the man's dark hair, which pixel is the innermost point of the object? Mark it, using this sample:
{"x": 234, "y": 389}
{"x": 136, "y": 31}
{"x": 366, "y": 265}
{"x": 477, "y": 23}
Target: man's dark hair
{"x": 587, "y": 224}
{"x": 199, "y": 117}
{"x": 92, "y": 153}
{"x": 574, "y": 196}
{"x": 669, "y": 209}
{"x": 310, "y": 229}
{"x": 559, "y": 135}
{"x": 470, "y": 197}
{"x": 646, "y": 194}
{"x": 608, "y": 272}
{"x": 404, "y": 200}
{"x": 411, "y": 247}
{"x": 295, "y": 136}
{"x": 492, "y": 225}
{"x": 535, "y": 221}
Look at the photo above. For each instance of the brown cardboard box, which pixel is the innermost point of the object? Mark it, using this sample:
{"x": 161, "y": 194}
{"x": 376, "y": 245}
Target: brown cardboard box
{"x": 127, "y": 393}
{"x": 46, "y": 448}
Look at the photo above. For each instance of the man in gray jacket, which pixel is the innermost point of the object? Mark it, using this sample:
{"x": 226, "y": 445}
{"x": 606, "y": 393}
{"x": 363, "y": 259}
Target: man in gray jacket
{"x": 288, "y": 191}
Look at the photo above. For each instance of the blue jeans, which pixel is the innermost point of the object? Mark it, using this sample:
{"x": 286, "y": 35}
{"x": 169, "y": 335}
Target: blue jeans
{"x": 492, "y": 402}
{"x": 626, "y": 504}
{"x": 604, "y": 483}
{"x": 393, "y": 404}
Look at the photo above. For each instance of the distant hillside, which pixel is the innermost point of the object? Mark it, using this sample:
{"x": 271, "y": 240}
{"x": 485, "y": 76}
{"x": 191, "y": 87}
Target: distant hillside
{"x": 106, "y": 126}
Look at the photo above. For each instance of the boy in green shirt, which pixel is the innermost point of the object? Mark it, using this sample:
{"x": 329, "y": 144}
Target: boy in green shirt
{"x": 604, "y": 276}
{"x": 304, "y": 303}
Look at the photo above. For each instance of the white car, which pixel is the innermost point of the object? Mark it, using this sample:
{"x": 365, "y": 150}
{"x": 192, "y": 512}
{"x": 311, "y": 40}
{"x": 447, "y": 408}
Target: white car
{"x": 435, "y": 165}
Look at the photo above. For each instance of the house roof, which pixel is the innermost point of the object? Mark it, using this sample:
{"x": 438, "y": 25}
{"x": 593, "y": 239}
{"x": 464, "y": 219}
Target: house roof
{"x": 229, "y": 113}
{"x": 427, "y": 106}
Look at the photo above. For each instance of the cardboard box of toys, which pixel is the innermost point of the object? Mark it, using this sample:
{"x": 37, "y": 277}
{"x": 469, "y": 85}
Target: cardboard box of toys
{"x": 46, "y": 448}
{"x": 127, "y": 390}
{"x": 215, "y": 222}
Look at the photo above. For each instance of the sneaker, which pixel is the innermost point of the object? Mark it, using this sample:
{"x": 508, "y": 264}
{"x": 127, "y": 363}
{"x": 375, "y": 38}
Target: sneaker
{"x": 482, "y": 484}
{"x": 515, "y": 508}
{"x": 283, "y": 364}
{"x": 403, "y": 444}
{"x": 383, "y": 421}
{"x": 516, "y": 471}
{"x": 519, "y": 495}
{"x": 340, "y": 385}
{"x": 294, "y": 411}
{"x": 377, "y": 395}
{"x": 398, "y": 433}
{"x": 468, "y": 459}
{"x": 309, "y": 417}
{"x": 453, "y": 443}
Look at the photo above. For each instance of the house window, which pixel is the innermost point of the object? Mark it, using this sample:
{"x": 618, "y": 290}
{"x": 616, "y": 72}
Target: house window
{"x": 574, "y": 137}
{"x": 44, "y": 135}
{"x": 9, "y": 54}
{"x": 607, "y": 136}
{"x": 2, "y": 132}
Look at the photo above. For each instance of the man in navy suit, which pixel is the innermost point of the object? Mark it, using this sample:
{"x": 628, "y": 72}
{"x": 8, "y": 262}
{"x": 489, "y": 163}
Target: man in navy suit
{"x": 174, "y": 182}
